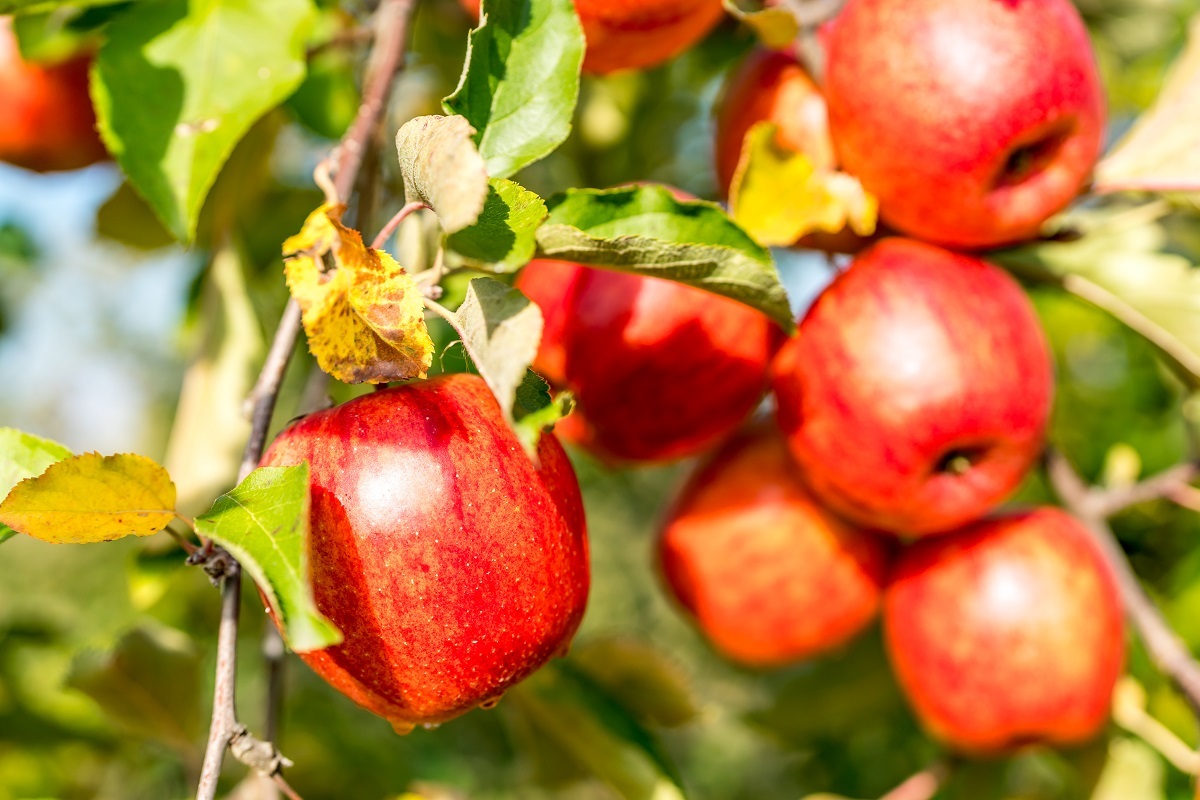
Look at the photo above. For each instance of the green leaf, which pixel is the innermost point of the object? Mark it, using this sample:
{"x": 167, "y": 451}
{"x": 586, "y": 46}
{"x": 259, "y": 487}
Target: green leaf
{"x": 1133, "y": 770}
{"x": 1121, "y": 264}
{"x": 442, "y": 169}
{"x": 585, "y": 722}
{"x": 23, "y": 455}
{"x": 521, "y": 81}
{"x": 1159, "y": 153}
{"x": 645, "y": 681}
{"x": 777, "y": 27}
{"x": 46, "y": 6}
{"x": 178, "y": 83}
{"x": 504, "y": 238}
{"x": 263, "y": 523}
{"x": 645, "y": 230}
{"x": 500, "y": 330}
{"x": 126, "y": 218}
{"x": 149, "y": 683}
{"x": 536, "y": 411}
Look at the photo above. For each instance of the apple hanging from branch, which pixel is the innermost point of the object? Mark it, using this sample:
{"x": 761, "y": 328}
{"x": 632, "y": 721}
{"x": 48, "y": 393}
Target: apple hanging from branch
{"x": 453, "y": 565}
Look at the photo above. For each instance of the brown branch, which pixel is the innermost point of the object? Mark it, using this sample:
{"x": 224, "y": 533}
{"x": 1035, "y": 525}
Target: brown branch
{"x": 224, "y": 720}
{"x": 225, "y": 732}
{"x": 921, "y": 786}
{"x": 386, "y": 59}
{"x": 1165, "y": 648}
{"x": 1167, "y": 484}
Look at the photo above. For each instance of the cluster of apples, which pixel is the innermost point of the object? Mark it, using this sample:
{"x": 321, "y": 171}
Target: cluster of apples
{"x": 913, "y": 399}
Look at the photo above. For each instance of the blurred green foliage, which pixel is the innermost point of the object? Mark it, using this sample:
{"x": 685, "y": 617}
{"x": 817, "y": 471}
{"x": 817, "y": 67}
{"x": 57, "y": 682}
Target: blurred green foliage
{"x": 106, "y": 651}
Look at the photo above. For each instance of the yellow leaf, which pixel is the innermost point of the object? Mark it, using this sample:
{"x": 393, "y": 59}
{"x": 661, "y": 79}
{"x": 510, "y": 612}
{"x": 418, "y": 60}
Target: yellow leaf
{"x": 92, "y": 498}
{"x": 777, "y": 28}
{"x": 778, "y": 195}
{"x": 364, "y": 315}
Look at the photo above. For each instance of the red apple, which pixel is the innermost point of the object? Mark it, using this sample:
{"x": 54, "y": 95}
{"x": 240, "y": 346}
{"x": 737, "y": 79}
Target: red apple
{"x": 635, "y": 34}
{"x": 915, "y": 395}
{"x": 769, "y": 575}
{"x": 972, "y": 121}
{"x": 1007, "y": 632}
{"x": 549, "y": 284}
{"x": 659, "y": 370}
{"x": 452, "y": 565}
{"x": 771, "y": 86}
{"x": 47, "y": 123}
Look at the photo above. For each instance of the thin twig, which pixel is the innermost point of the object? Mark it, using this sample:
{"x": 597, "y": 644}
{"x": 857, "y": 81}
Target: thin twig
{"x": 394, "y": 222}
{"x": 387, "y": 58}
{"x": 224, "y": 720}
{"x": 387, "y": 55}
{"x": 921, "y": 786}
{"x": 1129, "y": 711}
{"x": 266, "y": 390}
{"x": 1163, "y": 485}
{"x": 285, "y": 787}
{"x": 1166, "y": 649}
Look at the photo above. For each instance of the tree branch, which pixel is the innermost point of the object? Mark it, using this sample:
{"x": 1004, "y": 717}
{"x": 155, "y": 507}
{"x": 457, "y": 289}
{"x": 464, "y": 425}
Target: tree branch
{"x": 1166, "y": 649}
{"x": 226, "y": 732}
{"x": 387, "y": 58}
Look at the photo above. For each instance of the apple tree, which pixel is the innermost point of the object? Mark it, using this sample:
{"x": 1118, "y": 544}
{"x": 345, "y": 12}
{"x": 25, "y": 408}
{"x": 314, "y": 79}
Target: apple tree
{"x": 592, "y": 398}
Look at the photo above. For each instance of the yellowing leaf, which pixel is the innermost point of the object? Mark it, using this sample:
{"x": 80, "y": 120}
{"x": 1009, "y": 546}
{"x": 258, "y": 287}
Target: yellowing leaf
{"x": 1160, "y": 152}
{"x": 92, "y": 498}
{"x": 443, "y": 169}
{"x": 777, "y": 28}
{"x": 364, "y": 315}
{"x": 778, "y": 195}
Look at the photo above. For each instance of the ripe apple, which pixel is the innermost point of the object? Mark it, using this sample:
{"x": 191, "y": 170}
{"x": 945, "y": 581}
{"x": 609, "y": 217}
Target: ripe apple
{"x": 771, "y": 86}
{"x": 769, "y": 575}
{"x": 48, "y": 123}
{"x": 1007, "y": 632}
{"x": 452, "y": 564}
{"x": 635, "y": 34}
{"x": 972, "y": 121}
{"x": 915, "y": 394}
{"x": 549, "y": 284}
{"x": 659, "y": 370}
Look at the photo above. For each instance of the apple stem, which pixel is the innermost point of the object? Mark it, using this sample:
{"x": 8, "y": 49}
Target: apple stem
{"x": 386, "y": 58}
{"x": 1093, "y": 507}
{"x": 922, "y": 785}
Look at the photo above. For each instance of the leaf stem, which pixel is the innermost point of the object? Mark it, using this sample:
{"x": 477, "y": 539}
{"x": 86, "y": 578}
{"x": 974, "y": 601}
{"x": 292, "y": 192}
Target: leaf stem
{"x": 394, "y": 222}
{"x": 182, "y": 540}
{"x": 1165, "y": 648}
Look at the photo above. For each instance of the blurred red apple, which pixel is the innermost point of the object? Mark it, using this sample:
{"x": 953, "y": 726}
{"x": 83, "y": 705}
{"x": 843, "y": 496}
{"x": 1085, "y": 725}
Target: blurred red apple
{"x": 659, "y": 370}
{"x": 771, "y": 86}
{"x": 972, "y": 121}
{"x": 47, "y": 123}
{"x": 452, "y": 565}
{"x": 549, "y": 284}
{"x": 915, "y": 395}
{"x": 635, "y": 34}
{"x": 1006, "y": 633}
{"x": 769, "y": 575}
